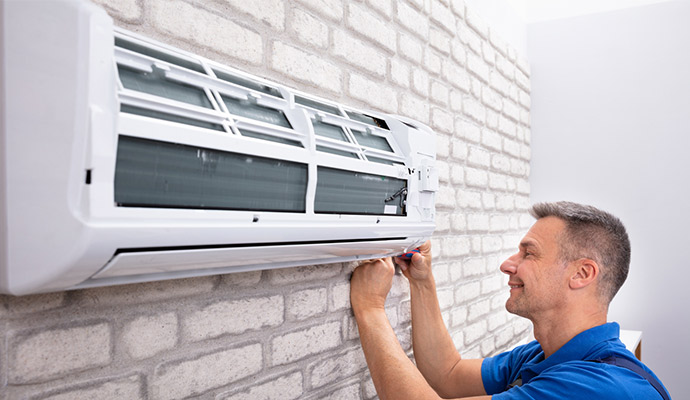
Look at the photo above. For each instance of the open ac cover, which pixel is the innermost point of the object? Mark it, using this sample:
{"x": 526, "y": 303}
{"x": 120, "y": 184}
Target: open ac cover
{"x": 126, "y": 160}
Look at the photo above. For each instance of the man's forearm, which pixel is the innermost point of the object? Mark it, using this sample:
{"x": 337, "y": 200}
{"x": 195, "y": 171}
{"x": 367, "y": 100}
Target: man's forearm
{"x": 394, "y": 375}
{"x": 434, "y": 351}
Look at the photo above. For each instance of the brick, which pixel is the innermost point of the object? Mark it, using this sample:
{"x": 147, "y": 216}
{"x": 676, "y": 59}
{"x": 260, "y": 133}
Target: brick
{"x": 400, "y": 73}
{"x": 498, "y": 42}
{"x": 458, "y": 316}
{"x": 300, "y": 344}
{"x": 492, "y": 99}
{"x": 511, "y": 110}
{"x": 271, "y": 12}
{"x": 130, "y": 387}
{"x": 55, "y": 352}
{"x": 498, "y": 223}
{"x": 489, "y": 53}
{"x": 478, "y": 67}
{"x": 443, "y": 172}
{"x": 125, "y": 10}
{"x": 467, "y": 292}
{"x": 469, "y": 199}
{"x": 488, "y": 200}
{"x": 487, "y": 347}
{"x": 308, "y": 29}
{"x": 455, "y": 102}
{"x": 477, "y": 23}
{"x": 492, "y": 140}
{"x": 492, "y": 283}
{"x": 496, "y": 320}
{"x": 500, "y": 162}
{"x": 432, "y": 61}
{"x": 284, "y": 387}
{"x": 233, "y": 317}
{"x": 18, "y": 305}
{"x": 519, "y": 168}
{"x": 445, "y": 197}
{"x": 525, "y": 99}
{"x": 505, "y": 67}
{"x": 360, "y": 20}
{"x": 469, "y": 37}
{"x": 359, "y": 54}
{"x": 468, "y": 130}
{"x": 456, "y": 246}
{"x": 458, "y": 52}
{"x": 286, "y": 276}
{"x": 413, "y": 21}
{"x": 523, "y": 186}
{"x": 306, "y": 67}
{"x": 475, "y": 177}
{"x": 331, "y": 9}
{"x": 420, "y": 82}
{"x": 383, "y": 6}
{"x": 511, "y": 147}
{"x": 475, "y": 110}
{"x": 446, "y": 298}
{"x": 457, "y": 175}
{"x": 183, "y": 378}
{"x": 523, "y": 65}
{"x": 410, "y": 48}
{"x": 443, "y": 16}
{"x": 145, "y": 292}
{"x": 475, "y": 332}
{"x": 522, "y": 80}
{"x": 491, "y": 243}
{"x": 442, "y": 120}
{"x": 184, "y": 21}
{"x": 497, "y": 181}
{"x": 473, "y": 266}
{"x": 376, "y": 94}
{"x": 414, "y": 107}
{"x": 459, "y": 152}
{"x": 458, "y": 339}
{"x": 146, "y": 336}
{"x": 478, "y": 222}
{"x": 479, "y": 310}
{"x": 305, "y": 304}
{"x": 340, "y": 297}
{"x": 441, "y": 275}
{"x": 457, "y": 77}
{"x": 350, "y": 392}
{"x": 458, "y": 222}
{"x": 241, "y": 279}
{"x": 507, "y": 126}
{"x": 439, "y": 40}
{"x": 337, "y": 367}
{"x": 458, "y": 7}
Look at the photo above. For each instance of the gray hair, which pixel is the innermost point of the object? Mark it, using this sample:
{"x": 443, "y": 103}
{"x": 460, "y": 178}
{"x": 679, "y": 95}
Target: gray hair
{"x": 594, "y": 234}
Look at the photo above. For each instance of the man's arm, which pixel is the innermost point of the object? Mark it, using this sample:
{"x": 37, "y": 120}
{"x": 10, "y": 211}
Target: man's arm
{"x": 394, "y": 375}
{"x": 434, "y": 351}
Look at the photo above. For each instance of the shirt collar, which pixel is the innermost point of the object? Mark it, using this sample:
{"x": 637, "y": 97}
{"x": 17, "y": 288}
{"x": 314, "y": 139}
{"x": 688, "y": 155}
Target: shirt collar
{"x": 577, "y": 348}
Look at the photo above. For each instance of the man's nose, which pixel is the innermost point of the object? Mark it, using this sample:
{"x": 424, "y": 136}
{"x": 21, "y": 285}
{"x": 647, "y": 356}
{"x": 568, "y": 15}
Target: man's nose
{"x": 509, "y": 266}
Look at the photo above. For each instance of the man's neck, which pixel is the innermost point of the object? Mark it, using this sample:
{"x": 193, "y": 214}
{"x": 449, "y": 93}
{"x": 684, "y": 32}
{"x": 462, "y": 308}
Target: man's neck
{"x": 553, "y": 333}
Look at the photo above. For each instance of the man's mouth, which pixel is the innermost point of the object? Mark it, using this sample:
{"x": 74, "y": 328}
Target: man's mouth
{"x": 515, "y": 285}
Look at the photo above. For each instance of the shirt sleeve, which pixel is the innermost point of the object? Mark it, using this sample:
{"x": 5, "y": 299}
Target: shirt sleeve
{"x": 500, "y": 371}
{"x": 581, "y": 380}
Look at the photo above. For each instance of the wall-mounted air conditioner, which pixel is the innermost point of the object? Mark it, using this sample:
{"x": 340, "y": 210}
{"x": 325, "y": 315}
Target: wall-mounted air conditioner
{"x": 126, "y": 160}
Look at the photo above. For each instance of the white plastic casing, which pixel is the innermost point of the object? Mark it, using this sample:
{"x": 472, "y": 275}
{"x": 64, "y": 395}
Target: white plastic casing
{"x": 60, "y": 227}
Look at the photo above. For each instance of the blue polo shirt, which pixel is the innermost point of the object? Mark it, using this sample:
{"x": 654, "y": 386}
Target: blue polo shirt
{"x": 567, "y": 374}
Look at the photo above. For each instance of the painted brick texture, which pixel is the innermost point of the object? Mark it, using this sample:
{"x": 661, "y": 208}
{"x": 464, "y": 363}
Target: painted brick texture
{"x": 290, "y": 333}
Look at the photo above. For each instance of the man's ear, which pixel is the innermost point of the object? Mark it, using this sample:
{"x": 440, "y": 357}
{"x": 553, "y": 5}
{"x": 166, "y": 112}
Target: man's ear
{"x": 585, "y": 272}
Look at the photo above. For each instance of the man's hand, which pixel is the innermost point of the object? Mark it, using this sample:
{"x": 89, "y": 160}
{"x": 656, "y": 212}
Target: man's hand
{"x": 370, "y": 284}
{"x": 417, "y": 268}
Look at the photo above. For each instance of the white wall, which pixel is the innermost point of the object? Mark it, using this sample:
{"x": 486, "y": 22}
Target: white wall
{"x": 611, "y": 127}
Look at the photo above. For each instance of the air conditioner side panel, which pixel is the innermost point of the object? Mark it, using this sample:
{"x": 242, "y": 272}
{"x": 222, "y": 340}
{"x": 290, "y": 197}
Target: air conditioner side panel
{"x": 55, "y": 55}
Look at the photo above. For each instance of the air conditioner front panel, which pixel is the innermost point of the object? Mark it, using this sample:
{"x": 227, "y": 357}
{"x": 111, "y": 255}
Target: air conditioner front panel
{"x": 133, "y": 263}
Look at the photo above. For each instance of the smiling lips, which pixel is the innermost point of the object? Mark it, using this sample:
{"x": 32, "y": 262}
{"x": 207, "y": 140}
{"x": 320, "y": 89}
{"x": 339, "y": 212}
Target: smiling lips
{"x": 515, "y": 285}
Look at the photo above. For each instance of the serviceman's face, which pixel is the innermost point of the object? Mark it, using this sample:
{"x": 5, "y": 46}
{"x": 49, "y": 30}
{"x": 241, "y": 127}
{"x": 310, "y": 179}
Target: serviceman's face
{"x": 537, "y": 277}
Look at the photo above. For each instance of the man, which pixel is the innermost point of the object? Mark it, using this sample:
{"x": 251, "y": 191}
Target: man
{"x": 567, "y": 269}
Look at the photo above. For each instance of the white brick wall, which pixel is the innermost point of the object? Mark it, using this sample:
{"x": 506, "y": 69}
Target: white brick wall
{"x": 290, "y": 333}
